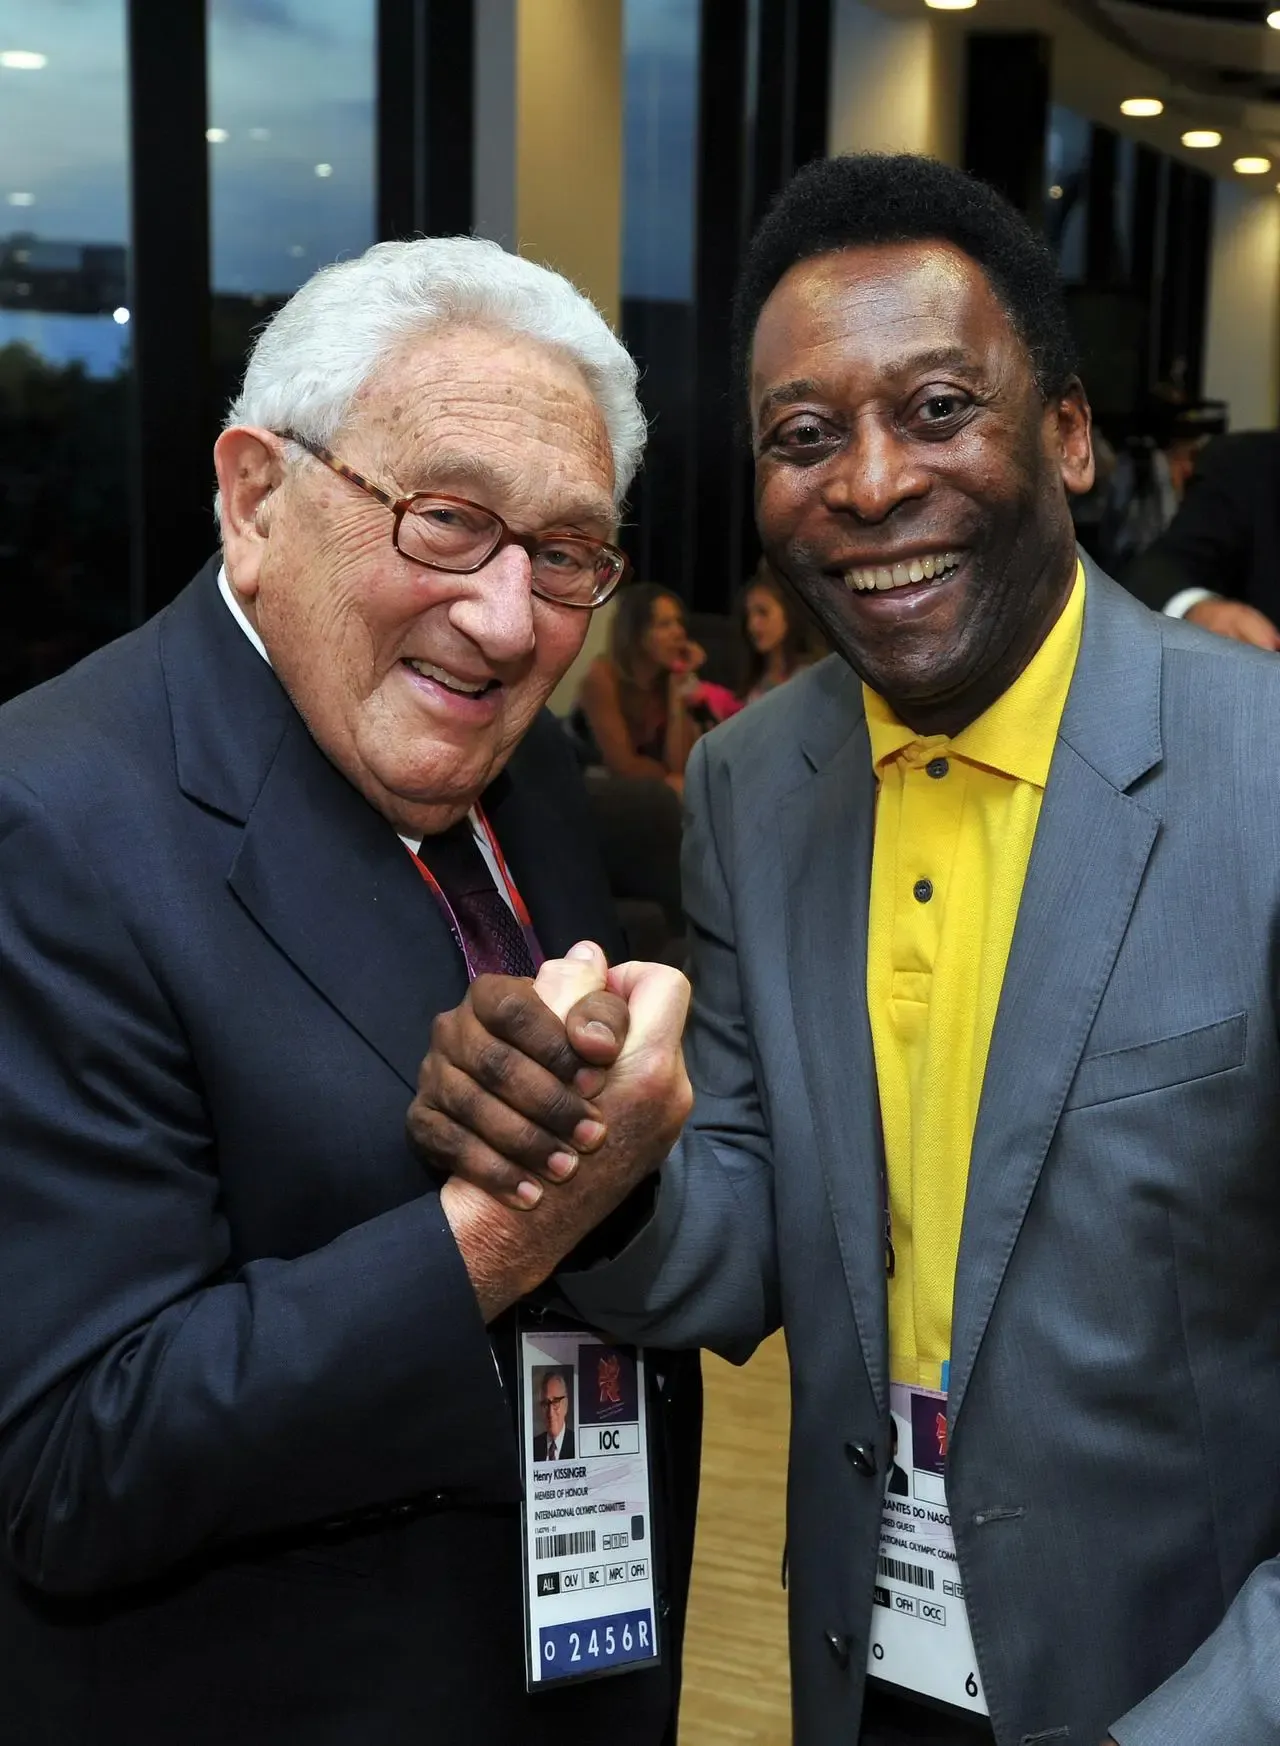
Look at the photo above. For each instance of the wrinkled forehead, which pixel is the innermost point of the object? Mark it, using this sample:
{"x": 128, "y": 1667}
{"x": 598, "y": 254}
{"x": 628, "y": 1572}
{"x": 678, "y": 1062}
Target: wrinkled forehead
{"x": 488, "y": 414}
{"x": 880, "y": 310}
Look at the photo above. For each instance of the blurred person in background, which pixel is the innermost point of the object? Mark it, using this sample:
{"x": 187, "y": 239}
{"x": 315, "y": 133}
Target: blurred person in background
{"x": 1141, "y": 482}
{"x": 779, "y": 639}
{"x": 1218, "y": 563}
{"x": 642, "y": 702}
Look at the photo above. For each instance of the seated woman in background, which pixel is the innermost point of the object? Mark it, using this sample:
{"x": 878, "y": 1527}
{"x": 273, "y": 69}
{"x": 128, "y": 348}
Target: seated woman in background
{"x": 779, "y": 640}
{"x": 643, "y": 701}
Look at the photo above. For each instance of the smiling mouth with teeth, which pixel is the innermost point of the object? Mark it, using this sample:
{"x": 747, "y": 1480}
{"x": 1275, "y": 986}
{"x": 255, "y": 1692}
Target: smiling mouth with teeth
{"x": 450, "y": 681}
{"x": 882, "y": 577}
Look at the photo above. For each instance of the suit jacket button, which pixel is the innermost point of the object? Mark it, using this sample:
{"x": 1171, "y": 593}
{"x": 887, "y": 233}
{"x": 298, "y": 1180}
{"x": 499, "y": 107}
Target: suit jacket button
{"x": 839, "y": 1647}
{"x": 863, "y": 1458}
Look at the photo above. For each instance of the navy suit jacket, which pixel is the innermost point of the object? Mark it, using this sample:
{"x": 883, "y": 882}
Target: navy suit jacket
{"x": 258, "y": 1474}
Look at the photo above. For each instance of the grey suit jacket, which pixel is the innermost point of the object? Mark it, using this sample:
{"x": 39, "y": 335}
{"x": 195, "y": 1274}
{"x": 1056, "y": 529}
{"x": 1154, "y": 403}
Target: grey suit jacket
{"x": 1114, "y": 1471}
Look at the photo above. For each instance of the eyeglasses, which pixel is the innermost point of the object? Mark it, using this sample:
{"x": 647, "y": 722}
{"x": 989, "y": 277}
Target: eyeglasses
{"x": 451, "y": 533}
{"x": 550, "y": 1400}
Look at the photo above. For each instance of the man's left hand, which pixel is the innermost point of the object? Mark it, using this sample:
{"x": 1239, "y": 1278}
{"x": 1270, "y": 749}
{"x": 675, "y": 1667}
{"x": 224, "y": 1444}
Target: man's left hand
{"x": 504, "y": 1097}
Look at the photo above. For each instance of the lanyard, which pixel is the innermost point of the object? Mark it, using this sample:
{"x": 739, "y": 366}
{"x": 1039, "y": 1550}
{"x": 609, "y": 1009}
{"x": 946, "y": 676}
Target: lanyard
{"x": 509, "y": 885}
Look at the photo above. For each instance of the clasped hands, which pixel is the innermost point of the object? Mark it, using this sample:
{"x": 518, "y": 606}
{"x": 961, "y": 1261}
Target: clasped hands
{"x": 547, "y": 1103}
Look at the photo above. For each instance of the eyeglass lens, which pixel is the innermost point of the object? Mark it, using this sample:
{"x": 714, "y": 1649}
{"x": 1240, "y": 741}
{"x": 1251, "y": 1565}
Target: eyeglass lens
{"x": 455, "y": 535}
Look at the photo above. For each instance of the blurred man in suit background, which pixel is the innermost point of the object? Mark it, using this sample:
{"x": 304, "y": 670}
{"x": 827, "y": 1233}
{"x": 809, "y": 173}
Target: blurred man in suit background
{"x": 1218, "y": 563}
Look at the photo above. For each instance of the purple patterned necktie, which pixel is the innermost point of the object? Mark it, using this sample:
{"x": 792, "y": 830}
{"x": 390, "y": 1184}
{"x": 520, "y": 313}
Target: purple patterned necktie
{"x": 492, "y": 939}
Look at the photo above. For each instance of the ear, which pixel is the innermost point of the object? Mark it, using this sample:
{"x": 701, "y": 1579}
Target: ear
{"x": 1073, "y": 421}
{"x": 250, "y": 466}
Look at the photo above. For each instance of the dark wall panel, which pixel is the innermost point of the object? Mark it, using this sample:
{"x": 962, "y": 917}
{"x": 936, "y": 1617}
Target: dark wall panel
{"x": 174, "y": 417}
{"x": 1007, "y": 87}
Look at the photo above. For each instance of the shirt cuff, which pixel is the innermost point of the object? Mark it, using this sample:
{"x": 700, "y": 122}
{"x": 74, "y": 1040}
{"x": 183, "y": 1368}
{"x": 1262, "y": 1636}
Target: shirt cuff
{"x": 1185, "y": 599}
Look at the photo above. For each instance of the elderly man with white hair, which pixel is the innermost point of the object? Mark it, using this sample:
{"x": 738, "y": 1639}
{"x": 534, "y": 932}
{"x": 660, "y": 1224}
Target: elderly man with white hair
{"x": 259, "y": 1469}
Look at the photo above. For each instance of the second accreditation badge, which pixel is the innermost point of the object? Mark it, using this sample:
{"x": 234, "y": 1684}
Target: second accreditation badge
{"x": 588, "y": 1507}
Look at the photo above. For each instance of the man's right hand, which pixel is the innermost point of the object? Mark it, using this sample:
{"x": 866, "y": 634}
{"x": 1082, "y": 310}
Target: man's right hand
{"x": 1232, "y": 618}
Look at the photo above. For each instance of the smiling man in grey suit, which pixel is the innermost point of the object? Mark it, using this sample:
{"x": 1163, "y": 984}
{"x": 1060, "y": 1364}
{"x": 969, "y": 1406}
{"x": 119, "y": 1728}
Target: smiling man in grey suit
{"x": 987, "y": 1088}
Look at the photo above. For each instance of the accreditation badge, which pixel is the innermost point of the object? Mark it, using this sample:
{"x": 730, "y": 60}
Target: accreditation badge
{"x": 920, "y": 1639}
{"x": 588, "y": 1506}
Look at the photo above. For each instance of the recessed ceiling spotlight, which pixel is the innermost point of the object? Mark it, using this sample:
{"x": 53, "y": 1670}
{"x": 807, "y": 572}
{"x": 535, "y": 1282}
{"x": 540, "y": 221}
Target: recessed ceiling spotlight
{"x": 23, "y": 60}
{"x": 216, "y": 135}
{"x": 324, "y": 171}
{"x": 1142, "y": 106}
{"x": 22, "y": 199}
{"x": 951, "y": 5}
{"x": 1273, "y": 19}
{"x": 1251, "y": 166}
{"x": 1201, "y": 139}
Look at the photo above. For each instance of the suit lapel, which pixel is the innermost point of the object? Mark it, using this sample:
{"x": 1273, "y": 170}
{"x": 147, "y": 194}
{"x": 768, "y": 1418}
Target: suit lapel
{"x": 1091, "y": 850}
{"x": 324, "y": 875}
{"x": 826, "y": 826}
{"x": 319, "y": 870}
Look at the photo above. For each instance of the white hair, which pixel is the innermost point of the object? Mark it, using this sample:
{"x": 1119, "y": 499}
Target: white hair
{"x": 313, "y": 357}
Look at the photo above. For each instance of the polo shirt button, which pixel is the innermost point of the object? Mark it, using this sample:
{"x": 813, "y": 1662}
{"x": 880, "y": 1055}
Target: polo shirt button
{"x": 937, "y": 768}
{"x": 922, "y": 890}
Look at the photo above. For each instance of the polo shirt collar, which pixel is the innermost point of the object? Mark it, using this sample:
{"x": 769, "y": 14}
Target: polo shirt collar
{"x": 1017, "y": 733}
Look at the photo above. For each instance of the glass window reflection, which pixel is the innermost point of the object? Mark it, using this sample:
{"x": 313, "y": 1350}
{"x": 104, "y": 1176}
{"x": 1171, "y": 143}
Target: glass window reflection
{"x": 64, "y": 336}
{"x": 659, "y": 183}
{"x": 291, "y": 154}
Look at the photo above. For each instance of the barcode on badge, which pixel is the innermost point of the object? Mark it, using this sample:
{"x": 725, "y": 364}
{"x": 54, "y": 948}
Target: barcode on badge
{"x": 919, "y": 1574}
{"x": 568, "y": 1545}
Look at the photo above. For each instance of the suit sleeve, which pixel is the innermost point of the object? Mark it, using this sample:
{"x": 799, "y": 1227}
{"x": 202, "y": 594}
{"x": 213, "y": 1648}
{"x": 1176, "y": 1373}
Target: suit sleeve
{"x": 1207, "y": 544}
{"x": 703, "y": 1271}
{"x": 157, "y": 1401}
{"x": 1229, "y": 1691}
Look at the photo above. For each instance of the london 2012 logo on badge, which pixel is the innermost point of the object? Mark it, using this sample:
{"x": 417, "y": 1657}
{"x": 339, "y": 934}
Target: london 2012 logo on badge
{"x": 607, "y": 1386}
{"x": 609, "y": 1380}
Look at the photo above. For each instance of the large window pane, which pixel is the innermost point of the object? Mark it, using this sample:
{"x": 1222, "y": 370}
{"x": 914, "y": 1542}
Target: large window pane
{"x": 660, "y": 166}
{"x": 64, "y": 334}
{"x": 291, "y": 154}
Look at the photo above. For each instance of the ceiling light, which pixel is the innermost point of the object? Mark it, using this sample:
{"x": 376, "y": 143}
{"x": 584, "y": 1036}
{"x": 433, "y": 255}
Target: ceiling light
{"x": 1201, "y": 139}
{"x": 324, "y": 170}
{"x": 1273, "y": 19}
{"x": 1055, "y": 193}
{"x": 120, "y": 316}
{"x": 23, "y": 60}
{"x": 1251, "y": 166}
{"x": 950, "y": 5}
{"x": 259, "y": 133}
{"x": 22, "y": 199}
{"x": 1142, "y": 106}
{"x": 216, "y": 135}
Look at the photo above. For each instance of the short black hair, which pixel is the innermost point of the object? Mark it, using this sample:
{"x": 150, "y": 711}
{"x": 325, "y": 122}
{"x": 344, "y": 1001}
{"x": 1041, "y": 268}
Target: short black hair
{"x": 875, "y": 197}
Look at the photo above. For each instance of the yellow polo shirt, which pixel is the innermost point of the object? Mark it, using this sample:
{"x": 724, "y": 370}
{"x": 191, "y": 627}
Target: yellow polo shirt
{"x": 955, "y": 821}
